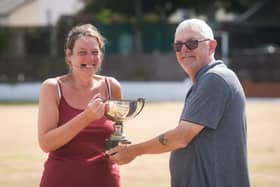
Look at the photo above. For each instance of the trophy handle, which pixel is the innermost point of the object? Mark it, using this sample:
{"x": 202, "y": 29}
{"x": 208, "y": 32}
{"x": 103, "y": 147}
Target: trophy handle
{"x": 142, "y": 101}
{"x": 133, "y": 113}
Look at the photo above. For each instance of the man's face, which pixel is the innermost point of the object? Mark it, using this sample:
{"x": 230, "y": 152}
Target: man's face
{"x": 192, "y": 50}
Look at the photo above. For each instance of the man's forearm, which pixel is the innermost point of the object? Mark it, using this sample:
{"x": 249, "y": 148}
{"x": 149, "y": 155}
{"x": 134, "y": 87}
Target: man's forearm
{"x": 165, "y": 142}
{"x": 162, "y": 139}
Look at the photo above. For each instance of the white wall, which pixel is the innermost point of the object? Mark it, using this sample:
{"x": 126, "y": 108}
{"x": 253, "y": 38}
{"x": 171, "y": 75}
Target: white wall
{"x": 51, "y": 10}
{"x": 27, "y": 15}
{"x": 43, "y": 12}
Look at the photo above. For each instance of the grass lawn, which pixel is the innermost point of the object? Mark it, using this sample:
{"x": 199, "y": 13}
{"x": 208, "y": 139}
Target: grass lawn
{"x": 21, "y": 160}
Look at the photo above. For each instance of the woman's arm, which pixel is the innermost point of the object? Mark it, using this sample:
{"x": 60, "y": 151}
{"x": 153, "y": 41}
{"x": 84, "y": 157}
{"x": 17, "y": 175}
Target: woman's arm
{"x": 52, "y": 137}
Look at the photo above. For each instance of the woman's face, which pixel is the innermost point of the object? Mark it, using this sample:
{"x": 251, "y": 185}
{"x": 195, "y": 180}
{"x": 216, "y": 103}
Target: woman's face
{"x": 86, "y": 56}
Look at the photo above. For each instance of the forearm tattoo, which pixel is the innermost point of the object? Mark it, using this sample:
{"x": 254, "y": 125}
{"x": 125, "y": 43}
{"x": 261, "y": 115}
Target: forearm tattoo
{"x": 162, "y": 140}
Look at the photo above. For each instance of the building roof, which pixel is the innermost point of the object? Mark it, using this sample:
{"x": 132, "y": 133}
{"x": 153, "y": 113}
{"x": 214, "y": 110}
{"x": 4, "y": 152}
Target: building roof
{"x": 8, "y": 6}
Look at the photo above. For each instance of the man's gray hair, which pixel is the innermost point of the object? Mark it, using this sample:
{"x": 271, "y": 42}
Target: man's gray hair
{"x": 197, "y": 25}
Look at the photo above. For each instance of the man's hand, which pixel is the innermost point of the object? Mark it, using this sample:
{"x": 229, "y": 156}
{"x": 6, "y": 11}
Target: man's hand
{"x": 121, "y": 154}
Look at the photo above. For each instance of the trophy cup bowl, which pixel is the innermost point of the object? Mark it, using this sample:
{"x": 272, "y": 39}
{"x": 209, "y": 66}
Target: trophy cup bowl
{"x": 120, "y": 111}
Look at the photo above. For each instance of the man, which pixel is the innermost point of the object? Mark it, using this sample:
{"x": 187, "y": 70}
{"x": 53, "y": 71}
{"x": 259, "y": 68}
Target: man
{"x": 209, "y": 147}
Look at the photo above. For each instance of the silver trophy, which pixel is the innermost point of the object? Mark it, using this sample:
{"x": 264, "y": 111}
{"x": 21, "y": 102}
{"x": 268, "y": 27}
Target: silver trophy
{"x": 120, "y": 111}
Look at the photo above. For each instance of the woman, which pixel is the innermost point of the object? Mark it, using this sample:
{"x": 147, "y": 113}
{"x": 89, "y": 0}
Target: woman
{"x": 71, "y": 123}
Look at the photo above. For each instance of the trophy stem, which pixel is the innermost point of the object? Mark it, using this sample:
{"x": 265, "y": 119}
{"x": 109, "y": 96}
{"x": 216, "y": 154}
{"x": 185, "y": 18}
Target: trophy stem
{"x": 117, "y": 137}
{"x": 118, "y": 128}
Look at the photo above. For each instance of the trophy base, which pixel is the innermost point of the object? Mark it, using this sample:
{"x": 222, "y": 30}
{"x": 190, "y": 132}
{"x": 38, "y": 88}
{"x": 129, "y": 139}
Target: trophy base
{"x": 111, "y": 143}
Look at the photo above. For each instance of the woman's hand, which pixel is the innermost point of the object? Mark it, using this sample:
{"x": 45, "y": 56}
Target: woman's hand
{"x": 95, "y": 108}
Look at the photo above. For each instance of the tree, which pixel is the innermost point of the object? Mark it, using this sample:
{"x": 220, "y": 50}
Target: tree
{"x": 108, "y": 11}
{"x": 140, "y": 11}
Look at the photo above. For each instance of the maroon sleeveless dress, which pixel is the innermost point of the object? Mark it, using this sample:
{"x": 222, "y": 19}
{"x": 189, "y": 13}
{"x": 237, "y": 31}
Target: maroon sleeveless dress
{"x": 81, "y": 162}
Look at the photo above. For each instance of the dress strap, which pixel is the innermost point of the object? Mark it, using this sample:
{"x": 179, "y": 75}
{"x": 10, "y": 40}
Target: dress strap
{"x": 59, "y": 90}
{"x": 107, "y": 81}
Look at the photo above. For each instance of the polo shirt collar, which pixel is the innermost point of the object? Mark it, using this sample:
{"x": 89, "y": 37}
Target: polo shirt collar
{"x": 206, "y": 68}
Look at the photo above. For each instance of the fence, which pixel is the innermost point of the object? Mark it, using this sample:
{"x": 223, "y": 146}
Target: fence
{"x": 34, "y": 54}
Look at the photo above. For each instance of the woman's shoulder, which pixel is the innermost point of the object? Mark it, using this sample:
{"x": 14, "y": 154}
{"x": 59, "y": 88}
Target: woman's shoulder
{"x": 49, "y": 90}
{"x": 113, "y": 81}
{"x": 114, "y": 85}
{"x": 51, "y": 84}
{"x": 53, "y": 81}
{"x": 50, "y": 81}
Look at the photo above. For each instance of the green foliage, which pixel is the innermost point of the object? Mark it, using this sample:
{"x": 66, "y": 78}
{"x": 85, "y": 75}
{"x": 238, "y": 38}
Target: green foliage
{"x": 105, "y": 16}
{"x": 158, "y": 10}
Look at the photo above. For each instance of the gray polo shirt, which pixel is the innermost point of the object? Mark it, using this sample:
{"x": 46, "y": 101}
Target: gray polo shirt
{"x": 217, "y": 156}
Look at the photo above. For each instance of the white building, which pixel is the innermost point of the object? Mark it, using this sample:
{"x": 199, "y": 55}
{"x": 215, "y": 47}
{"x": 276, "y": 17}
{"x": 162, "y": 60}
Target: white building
{"x": 18, "y": 13}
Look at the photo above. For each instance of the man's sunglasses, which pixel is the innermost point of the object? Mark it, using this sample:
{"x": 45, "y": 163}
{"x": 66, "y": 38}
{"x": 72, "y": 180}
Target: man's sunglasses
{"x": 190, "y": 44}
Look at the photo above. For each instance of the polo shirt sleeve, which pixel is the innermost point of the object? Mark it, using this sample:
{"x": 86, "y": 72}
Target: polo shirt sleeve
{"x": 207, "y": 101}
